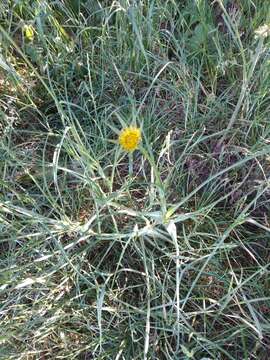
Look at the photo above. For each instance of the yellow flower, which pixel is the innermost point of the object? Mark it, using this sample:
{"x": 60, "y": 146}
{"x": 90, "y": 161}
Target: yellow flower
{"x": 129, "y": 138}
{"x": 29, "y": 32}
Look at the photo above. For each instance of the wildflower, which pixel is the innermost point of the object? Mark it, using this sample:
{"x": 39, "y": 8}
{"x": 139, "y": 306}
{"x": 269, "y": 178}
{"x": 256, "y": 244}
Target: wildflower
{"x": 29, "y": 32}
{"x": 262, "y": 31}
{"x": 129, "y": 138}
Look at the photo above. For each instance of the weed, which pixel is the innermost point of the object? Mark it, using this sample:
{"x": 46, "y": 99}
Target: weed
{"x": 160, "y": 253}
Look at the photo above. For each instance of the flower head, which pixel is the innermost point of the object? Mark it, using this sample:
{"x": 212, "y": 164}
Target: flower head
{"x": 129, "y": 138}
{"x": 262, "y": 31}
{"x": 29, "y": 32}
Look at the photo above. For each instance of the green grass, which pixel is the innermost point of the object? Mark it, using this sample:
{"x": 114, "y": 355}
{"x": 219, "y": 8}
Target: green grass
{"x": 164, "y": 255}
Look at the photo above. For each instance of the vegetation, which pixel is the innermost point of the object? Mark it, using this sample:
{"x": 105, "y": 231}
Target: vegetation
{"x": 159, "y": 253}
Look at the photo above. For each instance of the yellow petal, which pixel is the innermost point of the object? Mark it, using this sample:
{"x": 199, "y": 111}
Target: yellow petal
{"x": 29, "y": 32}
{"x": 129, "y": 138}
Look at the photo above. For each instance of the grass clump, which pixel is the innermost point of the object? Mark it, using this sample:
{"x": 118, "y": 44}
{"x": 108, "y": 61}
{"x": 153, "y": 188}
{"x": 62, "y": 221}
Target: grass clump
{"x": 159, "y": 253}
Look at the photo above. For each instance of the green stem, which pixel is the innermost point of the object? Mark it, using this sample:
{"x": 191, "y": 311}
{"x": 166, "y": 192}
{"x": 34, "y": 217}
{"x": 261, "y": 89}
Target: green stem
{"x": 130, "y": 164}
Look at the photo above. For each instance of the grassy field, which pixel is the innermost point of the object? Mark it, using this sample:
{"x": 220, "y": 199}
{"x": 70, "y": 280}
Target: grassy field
{"x": 161, "y": 253}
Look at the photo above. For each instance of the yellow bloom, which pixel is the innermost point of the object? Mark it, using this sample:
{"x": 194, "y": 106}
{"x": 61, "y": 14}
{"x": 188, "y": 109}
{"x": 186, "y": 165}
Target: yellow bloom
{"x": 29, "y": 32}
{"x": 129, "y": 138}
